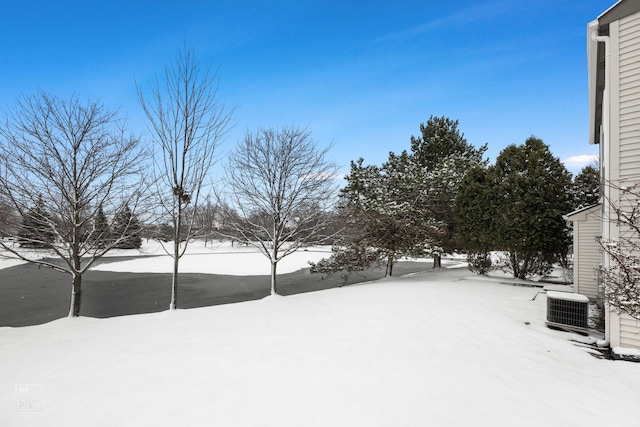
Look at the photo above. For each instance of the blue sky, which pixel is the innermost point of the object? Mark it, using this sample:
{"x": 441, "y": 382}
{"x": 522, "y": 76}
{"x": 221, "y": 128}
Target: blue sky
{"x": 360, "y": 75}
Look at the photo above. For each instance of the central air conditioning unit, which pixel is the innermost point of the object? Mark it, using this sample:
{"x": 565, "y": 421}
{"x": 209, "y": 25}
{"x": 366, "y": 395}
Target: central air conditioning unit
{"x": 567, "y": 311}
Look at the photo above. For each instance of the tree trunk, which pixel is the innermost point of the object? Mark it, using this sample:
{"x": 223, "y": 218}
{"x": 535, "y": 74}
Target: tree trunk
{"x": 76, "y": 279}
{"x": 515, "y": 265}
{"x": 274, "y": 256}
{"x": 389, "y": 270}
{"x": 176, "y": 260}
{"x": 76, "y": 295}
{"x": 437, "y": 260}
{"x": 274, "y": 289}
{"x": 174, "y": 286}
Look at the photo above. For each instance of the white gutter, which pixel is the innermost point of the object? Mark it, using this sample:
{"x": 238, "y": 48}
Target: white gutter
{"x": 606, "y": 113}
{"x": 592, "y": 58}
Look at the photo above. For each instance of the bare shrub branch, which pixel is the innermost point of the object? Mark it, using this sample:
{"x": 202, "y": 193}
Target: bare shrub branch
{"x": 622, "y": 275}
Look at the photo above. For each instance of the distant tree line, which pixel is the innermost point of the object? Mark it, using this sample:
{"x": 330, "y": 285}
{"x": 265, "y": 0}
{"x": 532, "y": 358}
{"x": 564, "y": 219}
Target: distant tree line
{"x": 124, "y": 231}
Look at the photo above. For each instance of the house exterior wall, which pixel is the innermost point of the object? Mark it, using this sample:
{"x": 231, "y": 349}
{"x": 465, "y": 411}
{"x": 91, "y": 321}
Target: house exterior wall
{"x": 629, "y": 332}
{"x": 629, "y": 99}
{"x": 587, "y": 255}
{"x": 621, "y": 155}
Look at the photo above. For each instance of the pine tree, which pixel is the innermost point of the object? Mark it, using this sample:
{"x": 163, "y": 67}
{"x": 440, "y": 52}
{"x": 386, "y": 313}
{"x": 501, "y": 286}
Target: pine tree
{"x": 166, "y": 232}
{"x": 347, "y": 258}
{"x": 388, "y": 214}
{"x": 439, "y": 139}
{"x": 356, "y": 248}
{"x": 443, "y": 151}
{"x": 127, "y": 229}
{"x": 586, "y": 187}
{"x": 531, "y": 199}
{"x": 101, "y": 233}
{"x": 410, "y": 208}
{"x": 517, "y": 206}
{"x": 36, "y": 230}
{"x": 475, "y": 210}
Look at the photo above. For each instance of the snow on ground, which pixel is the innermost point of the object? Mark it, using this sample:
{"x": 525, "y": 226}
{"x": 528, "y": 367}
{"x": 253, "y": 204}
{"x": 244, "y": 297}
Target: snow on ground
{"x": 215, "y": 258}
{"x": 6, "y": 263}
{"x": 419, "y": 350}
{"x": 7, "y": 259}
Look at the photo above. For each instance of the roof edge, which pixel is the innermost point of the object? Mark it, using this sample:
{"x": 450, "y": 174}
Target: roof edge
{"x": 583, "y": 209}
{"x": 613, "y": 6}
{"x": 619, "y": 10}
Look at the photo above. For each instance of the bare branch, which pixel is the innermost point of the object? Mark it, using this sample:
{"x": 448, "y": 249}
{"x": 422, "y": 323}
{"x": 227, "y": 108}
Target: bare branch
{"x": 188, "y": 122}
{"x": 622, "y": 275}
{"x": 62, "y": 161}
{"x": 280, "y": 188}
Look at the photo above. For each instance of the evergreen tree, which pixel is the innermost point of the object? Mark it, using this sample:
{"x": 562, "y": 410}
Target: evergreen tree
{"x": 531, "y": 199}
{"x": 166, "y": 232}
{"x": 439, "y": 139}
{"x": 475, "y": 210}
{"x": 388, "y": 216}
{"x": 101, "y": 233}
{"x": 127, "y": 229}
{"x": 517, "y": 206}
{"x": 443, "y": 151}
{"x": 347, "y": 257}
{"x": 36, "y": 230}
{"x": 586, "y": 187}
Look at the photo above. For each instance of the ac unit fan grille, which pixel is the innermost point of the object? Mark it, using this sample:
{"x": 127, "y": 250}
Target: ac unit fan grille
{"x": 567, "y": 312}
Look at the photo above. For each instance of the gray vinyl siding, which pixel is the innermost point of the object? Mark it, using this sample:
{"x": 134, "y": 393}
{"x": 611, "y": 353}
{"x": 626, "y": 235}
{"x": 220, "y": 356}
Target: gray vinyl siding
{"x": 629, "y": 100}
{"x": 622, "y": 9}
{"x": 588, "y": 256}
{"x": 629, "y": 137}
{"x": 629, "y": 332}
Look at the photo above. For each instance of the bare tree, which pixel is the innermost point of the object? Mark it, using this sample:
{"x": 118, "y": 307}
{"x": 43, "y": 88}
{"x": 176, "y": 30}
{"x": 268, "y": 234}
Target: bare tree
{"x": 63, "y": 161}
{"x": 622, "y": 275}
{"x": 280, "y": 187}
{"x": 187, "y": 122}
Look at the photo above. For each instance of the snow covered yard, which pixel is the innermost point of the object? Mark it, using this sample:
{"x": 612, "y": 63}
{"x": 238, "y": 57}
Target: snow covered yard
{"x": 214, "y": 258}
{"x": 427, "y": 349}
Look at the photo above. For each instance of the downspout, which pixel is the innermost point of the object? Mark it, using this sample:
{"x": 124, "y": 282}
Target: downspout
{"x": 606, "y": 119}
{"x": 606, "y": 122}
{"x": 604, "y": 146}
